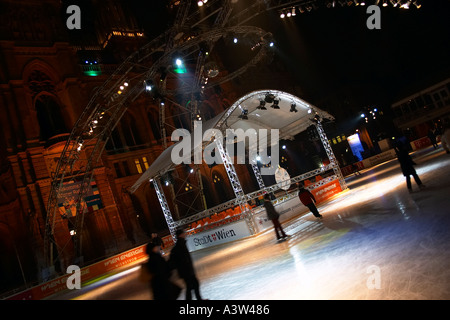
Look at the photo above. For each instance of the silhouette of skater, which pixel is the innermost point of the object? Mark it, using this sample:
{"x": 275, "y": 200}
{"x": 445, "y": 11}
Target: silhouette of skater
{"x": 407, "y": 166}
{"x": 180, "y": 258}
{"x": 273, "y": 215}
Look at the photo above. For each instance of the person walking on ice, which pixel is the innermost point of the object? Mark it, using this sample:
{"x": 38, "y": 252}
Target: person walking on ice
{"x": 308, "y": 200}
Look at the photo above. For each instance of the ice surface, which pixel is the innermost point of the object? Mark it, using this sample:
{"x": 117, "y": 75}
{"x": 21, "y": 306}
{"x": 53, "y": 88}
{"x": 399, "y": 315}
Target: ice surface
{"x": 376, "y": 241}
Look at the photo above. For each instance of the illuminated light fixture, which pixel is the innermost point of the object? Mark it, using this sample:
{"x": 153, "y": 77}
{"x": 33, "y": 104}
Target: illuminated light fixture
{"x": 283, "y": 147}
{"x": 235, "y": 40}
{"x": 385, "y": 4}
{"x": 262, "y": 105}
{"x": 179, "y": 66}
{"x": 395, "y": 3}
{"x": 200, "y": 3}
{"x": 363, "y": 115}
{"x": 125, "y": 84}
{"x": 293, "y": 12}
{"x": 362, "y": 3}
{"x": 293, "y": 107}
{"x": 148, "y": 84}
{"x": 288, "y": 14}
{"x": 405, "y": 5}
{"x": 244, "y": 115}
{"x": 275, "y": 104}
{"x": 418, "y": 5}
{"x": 271, "y": 44}
{"x": 282, "y": 15}
{"x": 309, "y": 111}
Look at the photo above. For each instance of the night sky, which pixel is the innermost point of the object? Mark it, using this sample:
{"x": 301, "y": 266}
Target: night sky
{"x": 339, "y": 64}
{"x": 333, "y": 54}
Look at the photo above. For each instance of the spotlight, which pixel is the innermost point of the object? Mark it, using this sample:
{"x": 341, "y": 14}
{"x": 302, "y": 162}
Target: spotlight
{"x": 293, "y": 109}
{"x": 235, "y": 40}
{"x": 385, "y": 4}
{"x": 405, "y": 5}
{"x": 261, "y": 106}
{"x": 200, "y": 3}
{"x": 282, "y": 15}
{"x": 244, "y": 115}
{"x": 269, "y": 98}
{"x": 275, "y": 104}
{"x": 148, "y": 84}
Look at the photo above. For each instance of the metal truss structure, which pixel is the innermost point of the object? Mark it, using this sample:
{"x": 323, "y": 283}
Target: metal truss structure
{"x": 190, "y": 33}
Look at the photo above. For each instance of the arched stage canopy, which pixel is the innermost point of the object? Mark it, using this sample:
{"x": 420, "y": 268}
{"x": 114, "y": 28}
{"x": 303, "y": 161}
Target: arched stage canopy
{"x": 293, "y": 116}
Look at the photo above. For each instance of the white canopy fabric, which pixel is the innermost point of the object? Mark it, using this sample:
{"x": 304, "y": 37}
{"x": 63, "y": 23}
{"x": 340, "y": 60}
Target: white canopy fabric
{"x": 244, "y": 114}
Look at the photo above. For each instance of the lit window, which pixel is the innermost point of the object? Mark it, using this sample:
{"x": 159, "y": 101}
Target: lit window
{"x": 138, "y": 165}
{"x": 144, "y": 160}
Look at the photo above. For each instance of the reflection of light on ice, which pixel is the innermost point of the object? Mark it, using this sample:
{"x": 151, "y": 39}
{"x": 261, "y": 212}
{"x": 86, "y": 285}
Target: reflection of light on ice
{"x": 372, "y": 191}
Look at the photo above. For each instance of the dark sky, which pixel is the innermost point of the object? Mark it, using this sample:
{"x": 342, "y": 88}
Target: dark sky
{"x": 332, "y": 50}
{"x": 332, "y": 53}
{"x": 334, "y": 56}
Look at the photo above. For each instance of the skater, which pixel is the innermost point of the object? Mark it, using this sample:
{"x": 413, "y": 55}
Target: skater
{"x": 156, "y": 239}
{"x": 308, "y": 200}
{"x": 432, "y": 137}
{"x": 159, "y": 275}
{"x": 407, "y": 165}
{"x": 180, "y": 259}
{"x": 273, "y": 215}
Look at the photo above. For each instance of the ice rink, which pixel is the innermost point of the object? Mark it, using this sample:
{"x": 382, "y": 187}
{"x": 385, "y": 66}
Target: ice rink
{"x": 376, "y": 241}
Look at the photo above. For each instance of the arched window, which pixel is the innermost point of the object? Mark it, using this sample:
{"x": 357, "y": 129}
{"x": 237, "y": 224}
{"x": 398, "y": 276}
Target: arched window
{"x": 124, "y": 135}
{"x": 51, "y": 121}
{"x": 154, "y": 123}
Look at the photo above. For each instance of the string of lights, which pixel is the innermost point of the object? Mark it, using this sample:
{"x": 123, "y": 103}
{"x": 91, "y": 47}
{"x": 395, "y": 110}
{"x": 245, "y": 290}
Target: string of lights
{"x": 292, "y": 11}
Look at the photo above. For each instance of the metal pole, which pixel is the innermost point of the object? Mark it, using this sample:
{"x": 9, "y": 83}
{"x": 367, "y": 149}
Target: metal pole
{"x": 330, "y": 154}
{"x": 164, "y": 206}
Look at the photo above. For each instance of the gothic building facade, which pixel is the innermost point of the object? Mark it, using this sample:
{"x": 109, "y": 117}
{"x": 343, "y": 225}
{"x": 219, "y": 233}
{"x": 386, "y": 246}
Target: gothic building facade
{"x": 47, "y": 76}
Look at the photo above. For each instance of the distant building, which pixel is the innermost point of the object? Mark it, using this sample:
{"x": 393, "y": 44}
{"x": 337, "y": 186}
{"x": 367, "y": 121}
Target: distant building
{"x": 415, "y": 114}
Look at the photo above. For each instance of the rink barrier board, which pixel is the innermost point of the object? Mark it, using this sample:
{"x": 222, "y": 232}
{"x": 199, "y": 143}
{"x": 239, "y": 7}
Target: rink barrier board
{"x": 110, "y": 265}
{"x": 224, "y": 234}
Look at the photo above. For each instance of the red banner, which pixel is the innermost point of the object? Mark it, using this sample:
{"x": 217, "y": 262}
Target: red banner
{"x": 326, "y": 191}
{"x": 125, "y": 259}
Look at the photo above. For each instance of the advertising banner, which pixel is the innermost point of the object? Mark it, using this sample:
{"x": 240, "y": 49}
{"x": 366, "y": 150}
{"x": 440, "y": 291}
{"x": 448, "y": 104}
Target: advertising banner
{"x": 67, "y": 198}
{"x": 224, "y": 234}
